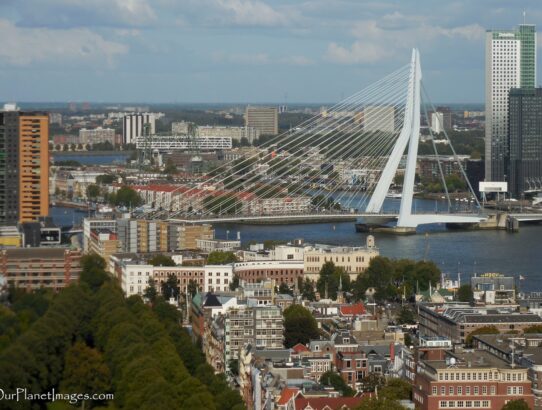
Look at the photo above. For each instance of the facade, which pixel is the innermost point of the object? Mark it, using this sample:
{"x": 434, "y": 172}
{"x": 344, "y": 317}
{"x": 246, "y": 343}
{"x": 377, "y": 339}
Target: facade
{"x": 469, "y": 379}
{"x": 263, "y": 119}
{"x": 141, "y": 236}
{"x": 280, "y": 271}
{"x": 494, "y": 289}
{"x": 188, "y": 235}
{"x": 260, "y": 326}
{"x": 24, "y": 165}
{"x": 34, "y": 268}
{"x": 235, "y": 133}
{"x": 428, "y": 166}
{"x": 97, "y": 135}
{"x": 93, "y": 224}
{"x": 354, "y": 260}
{"x": 522, "y": 350}
{"x": 211, "y": 245}
{"x": 457, "y": 321}
{"x": 181, "y": 143}
{"x": 136, "y": 125}
{"x": 437, "y": 122}
{"x": 524, "y": 140}
{"x": 104, "y": 243}
{"x": 510, "y": 63}
{"x": 218, "y": 278}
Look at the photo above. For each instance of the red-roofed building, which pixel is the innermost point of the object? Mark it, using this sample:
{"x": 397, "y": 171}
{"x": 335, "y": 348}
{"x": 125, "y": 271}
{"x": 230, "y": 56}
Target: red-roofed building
{"x": 300, "y": 348}
{"x": 327, "y": 403}
{"x": 287, "y": 398}
{"x": 356, "y": 309}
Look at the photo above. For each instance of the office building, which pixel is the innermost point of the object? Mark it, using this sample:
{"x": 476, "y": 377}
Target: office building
{"x": 469, "y": 379}
{"x": 136, "y": 125}
{"x": 510, "y": 63}
{"x": 34, "y": 268}
{"x": 525, "y": 140}
{"x": 437, "y": 122}
{"x": 261, "y": 326}
{"x": 97, "y": 136}
{"x": 24, "y": 165}
{"x": 235, "y": 133}
{"x": 264, "y": 119}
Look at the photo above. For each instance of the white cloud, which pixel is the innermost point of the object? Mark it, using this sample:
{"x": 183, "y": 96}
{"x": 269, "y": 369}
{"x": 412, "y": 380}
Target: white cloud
{"x": 297, "y": 60}
{"x": 394, "y": 34}
{"x": 260, "y": 59}
{"x": 29, "y": 45}
{"x": 250, "y": 13}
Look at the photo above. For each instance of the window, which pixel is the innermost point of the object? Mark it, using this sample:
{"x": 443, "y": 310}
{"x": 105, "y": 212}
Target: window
{"x": 451, "y": 391}
{"x": 459, "y": 390}
{"x": 492, "y": 390}
{"x": 475, "y": 390}
{"x": 443, "y": 404}
{"x": 485, "y": 403}
{"x": 443, "y": 390}
{"x": 434, "y": 390}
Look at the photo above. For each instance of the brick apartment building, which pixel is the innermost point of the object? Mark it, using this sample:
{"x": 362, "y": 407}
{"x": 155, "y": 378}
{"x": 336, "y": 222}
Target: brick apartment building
{"x": 470, "y": 379}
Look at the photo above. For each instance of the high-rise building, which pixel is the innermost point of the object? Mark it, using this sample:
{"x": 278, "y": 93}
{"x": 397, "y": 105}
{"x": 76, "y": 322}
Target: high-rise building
{"x": 524, "y": 140}
{"x": 264, "y": 119}
{"x": 24, "y": 165}
{"x": 133, "y": 126}
{"x": 96, "y": 135}
{"x": 437, "y": 122}
{"x": 510, "y": 63}
{"x": 379, "y": 118}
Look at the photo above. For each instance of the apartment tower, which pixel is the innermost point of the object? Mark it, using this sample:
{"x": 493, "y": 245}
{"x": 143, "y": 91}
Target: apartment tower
{"x": 510, "y": 63}
{"x": 24, "y": 165}
{"x": 264, "y": 119}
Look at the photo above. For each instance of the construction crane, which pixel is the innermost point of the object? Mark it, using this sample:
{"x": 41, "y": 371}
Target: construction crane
{"x": 196, "y": 161}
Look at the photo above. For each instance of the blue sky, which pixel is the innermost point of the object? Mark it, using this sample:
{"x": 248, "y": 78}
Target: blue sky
{"x": 242, "y": 50}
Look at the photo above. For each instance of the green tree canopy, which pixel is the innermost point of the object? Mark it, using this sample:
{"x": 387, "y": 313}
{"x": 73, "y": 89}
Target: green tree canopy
{"x": 161, "y": 260}
{"x": 170, "y": 288}
{"x": 381, "y": 403}
{"x": 299, "y": 326}
{"x": 533, "y": 329}
{"x": 93, "y": 191}
{"x": 406, "y": 316}
{"x": 372, "y": 381}
{"x": 464, "y": 293}
{"x": 126, "y": 196}
{"x": 330, "y": 378}
{"x": 93, "y": 271}
{"x": 330, "y": 278}
{"x": 519, "y": 404}
{"x": 105, "y": 179}
{"x": 396, "y": 389}
{"x": 221, "y": 258}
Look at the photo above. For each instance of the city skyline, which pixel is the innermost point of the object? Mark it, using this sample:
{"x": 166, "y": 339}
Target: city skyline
{"x": 223, "y": 51}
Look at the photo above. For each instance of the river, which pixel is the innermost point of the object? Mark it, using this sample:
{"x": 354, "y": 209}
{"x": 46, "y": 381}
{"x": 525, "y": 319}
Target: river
{"x": 468, "y": 252}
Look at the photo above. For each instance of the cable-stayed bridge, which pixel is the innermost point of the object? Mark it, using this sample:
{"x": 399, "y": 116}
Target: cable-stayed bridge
{"x": 338, "y": 165}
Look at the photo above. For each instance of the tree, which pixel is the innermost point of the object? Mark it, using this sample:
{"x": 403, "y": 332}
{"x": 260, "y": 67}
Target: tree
{"x": 464, "y": 293}
{"x": 150, "y": 291}
{"x": 105, "y": 179}
{"x": 406, "y": 316}
{"x": 285, "y": 289}
{"x": 93, "y": 191}
{"x": 85, "y": 371}
{"x": 161, "y": 260}
{"x": 93, "y": 271}
{"x": 518, "y": 404}
{"x": 330, "y": 280}
{"x": 330, "y": 378}
{"x": 221, "y": 258}
{"x": 126, "y": 196}
{"x": 373, "y": 381}
{"x": 170, "y": 168}
{"x": 380, "y": 275}
{"x": 234, "y": 284}
{"x": 485, "y": 330}
{"x": 533, "y": 329}
{"x": 306, "y": 288}
{"x": 299, "y": 326}
{"x": 222, "y": 204}
{"x": 170, "y": 288}
{"x": 396, "y": 389}
{"x": 380, "y": 403}
{"x": 192, "y": 287}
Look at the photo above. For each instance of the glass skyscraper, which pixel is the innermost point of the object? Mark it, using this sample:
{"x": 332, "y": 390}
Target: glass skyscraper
{"x": 510, "y": 63}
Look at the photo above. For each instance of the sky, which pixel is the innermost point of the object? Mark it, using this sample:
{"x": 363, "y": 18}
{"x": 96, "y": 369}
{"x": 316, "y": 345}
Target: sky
{"x": 221, "y": 51}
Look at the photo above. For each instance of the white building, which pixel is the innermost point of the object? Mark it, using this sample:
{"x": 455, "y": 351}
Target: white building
{"x": 235, "y": 133}
{"x": 96, "y": 135}
{"x": 133, "y": 126}
{"x": 510, "y": 63}
{"x": 90, "y": 224}
{"x": 211, "y": 245}
{"x": 437, "y": 122}
{"x": 179, "y": 142}
{"x": 218, "y": 278}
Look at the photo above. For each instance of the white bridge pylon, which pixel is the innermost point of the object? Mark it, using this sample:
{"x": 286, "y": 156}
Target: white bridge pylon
{"x": 410, "y": 135}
